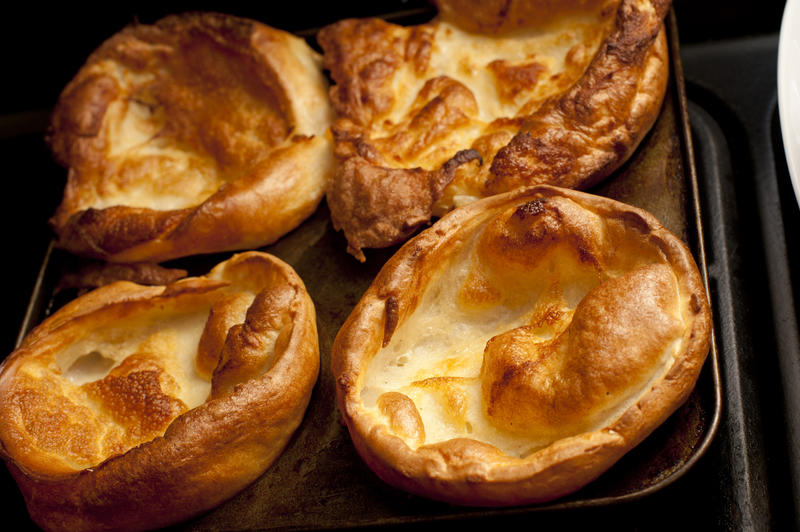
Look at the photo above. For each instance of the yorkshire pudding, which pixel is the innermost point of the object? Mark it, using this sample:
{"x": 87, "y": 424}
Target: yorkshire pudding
{"x": 486, "y": 98}
{"x": 518, "y": 348}
{"x": 135, "y": 407}
{"x": 200, "y": 133}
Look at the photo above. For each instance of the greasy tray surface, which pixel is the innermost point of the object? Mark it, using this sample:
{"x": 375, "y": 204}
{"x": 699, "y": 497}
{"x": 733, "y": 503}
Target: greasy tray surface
{"x": 320, "y": 481}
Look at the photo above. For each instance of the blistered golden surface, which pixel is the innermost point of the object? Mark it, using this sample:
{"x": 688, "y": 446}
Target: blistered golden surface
{"x": 486, "y": 98}
{"x": 519, "y": 347}
{"x": 176, "y": 133}
{"x": 131, "y": 392}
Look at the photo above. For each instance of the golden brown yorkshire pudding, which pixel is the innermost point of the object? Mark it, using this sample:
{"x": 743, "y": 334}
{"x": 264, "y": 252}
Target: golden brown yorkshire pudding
{"x": 515, "y": 350}
{"x": 486, "y": 98}
{"x": 201, "y": 133}
{"x": 134, "y": 407}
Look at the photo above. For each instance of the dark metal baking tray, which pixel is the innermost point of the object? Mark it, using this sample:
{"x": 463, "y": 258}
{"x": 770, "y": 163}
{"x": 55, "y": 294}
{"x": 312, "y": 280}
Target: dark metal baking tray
{"x": 320, "y": 482}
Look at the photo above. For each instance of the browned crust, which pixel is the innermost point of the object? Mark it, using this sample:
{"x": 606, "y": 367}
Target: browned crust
{"x": 96, "y": 274}
{"x": 573, "y": 140}
{"x": 207, "y": 454}
{"x": 580, "y": 138}
{"x": 468, "y": 472}
{"x": 264, "y": 195}
{"x": 400, "y": 200}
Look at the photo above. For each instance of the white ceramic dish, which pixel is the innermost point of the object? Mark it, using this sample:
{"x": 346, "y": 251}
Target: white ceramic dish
{"x": 789, "y": 89}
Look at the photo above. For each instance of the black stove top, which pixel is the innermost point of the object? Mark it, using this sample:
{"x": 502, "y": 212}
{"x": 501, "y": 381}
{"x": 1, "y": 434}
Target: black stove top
{"x": 749, "y": 210}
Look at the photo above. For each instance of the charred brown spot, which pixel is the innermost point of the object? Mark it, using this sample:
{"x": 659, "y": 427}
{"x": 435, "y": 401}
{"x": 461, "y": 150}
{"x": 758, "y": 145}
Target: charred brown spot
{"x": 531, "y": 208}
{"x": 345, "y": 381}
{"x": 549, "y": 316}
{"x": 694, "y": 304}
{"x": 586, "y": 256}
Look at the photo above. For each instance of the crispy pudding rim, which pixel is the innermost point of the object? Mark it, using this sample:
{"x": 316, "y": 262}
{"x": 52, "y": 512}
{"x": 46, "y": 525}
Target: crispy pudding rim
{"x": 99, "y": 217}
{"x": 207, "y": 453}
{"x": 565, "y": 142}
{"x": 467, "y": 472}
